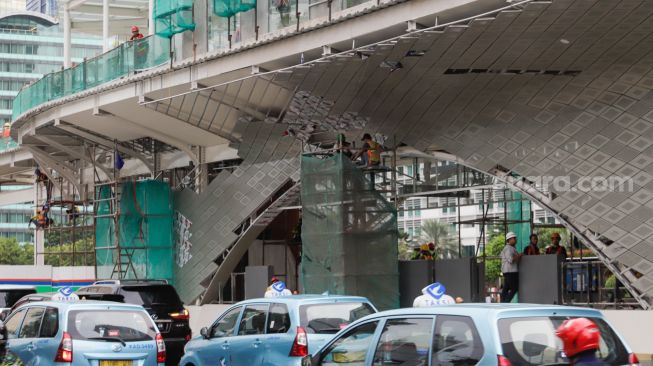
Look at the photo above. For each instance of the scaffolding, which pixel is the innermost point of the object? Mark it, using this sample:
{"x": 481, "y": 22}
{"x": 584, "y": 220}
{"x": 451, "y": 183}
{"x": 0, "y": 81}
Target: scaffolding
{"x": 63, "y": 224}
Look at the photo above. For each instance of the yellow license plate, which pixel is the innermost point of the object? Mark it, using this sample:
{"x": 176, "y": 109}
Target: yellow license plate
{"x": 116, "y": 363}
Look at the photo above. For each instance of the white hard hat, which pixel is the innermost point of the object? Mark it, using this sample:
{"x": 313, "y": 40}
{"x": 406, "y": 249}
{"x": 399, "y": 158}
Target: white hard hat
{"x": 510, "y": 235}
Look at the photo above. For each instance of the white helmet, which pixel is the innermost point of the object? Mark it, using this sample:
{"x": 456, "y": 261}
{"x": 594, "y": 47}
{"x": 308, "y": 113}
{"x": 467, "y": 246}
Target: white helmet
{"x": 510, "y": 235}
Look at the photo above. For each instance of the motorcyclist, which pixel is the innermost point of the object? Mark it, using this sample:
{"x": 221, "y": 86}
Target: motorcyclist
{"x": 580, "y": 339}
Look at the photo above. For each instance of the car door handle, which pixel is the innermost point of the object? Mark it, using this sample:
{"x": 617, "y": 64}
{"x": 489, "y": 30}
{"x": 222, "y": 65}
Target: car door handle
{"x": 225, "y": 345}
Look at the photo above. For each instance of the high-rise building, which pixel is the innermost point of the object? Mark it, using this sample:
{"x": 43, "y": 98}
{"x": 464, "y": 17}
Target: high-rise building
{"x": 29, "y": 48}
{"x": 48, "y": 7}
{"x": 10, "y": 6}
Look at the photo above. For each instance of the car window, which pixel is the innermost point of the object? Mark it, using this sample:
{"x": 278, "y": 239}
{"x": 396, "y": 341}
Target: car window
{"x": 32, "y": 323}
{"x": 329, "y": 318}
{"x": 278, "y": 319}
{"x": 456, "y": 342}
{"x": 351, "y": 348}
{"x": 9, "y": 297}
{"x": 404, "y": 342}
{"x": 152, "y": 296}
{"x": 226, "y": 325}
{"x": 13, "y": 323}
{"x": 126, "y": 325}
{"x": 253, "y": 320}
{"x": 50, "y": 323}
{"x": 532, "y": 341}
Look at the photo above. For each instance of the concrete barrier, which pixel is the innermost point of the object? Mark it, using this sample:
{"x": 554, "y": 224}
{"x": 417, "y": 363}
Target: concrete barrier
{"x": 635, "y": 326}
{"x": 204, "y": 316}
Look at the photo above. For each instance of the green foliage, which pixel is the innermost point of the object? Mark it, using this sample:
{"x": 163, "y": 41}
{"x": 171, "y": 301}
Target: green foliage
{"x": 439, "y": 233}
{"x": 544, "y": 238}
{"x": 82, "y": 253}
{"x": 493, "y": 266}
{"x": 17, "y": 254}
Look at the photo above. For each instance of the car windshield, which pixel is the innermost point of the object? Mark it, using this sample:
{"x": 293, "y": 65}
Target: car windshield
{"x": 532, "y": 341}
{"x": 329, "y": 318}
{"x": 152, "y": 296}
{"x": 9, "y": 297}
{"x": 108, "y": 325}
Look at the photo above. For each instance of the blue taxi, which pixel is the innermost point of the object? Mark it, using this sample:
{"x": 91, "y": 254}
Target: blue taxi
{"x": 83, "y": 333}
{"x": 465, "y": 335}
{"x": 273, "y": 331}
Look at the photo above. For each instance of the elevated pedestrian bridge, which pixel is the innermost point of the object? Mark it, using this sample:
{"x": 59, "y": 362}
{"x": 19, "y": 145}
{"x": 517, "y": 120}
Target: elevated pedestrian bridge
{"x": 517, "y": 90}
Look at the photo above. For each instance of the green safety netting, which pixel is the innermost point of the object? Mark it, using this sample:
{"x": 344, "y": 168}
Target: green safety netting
{"x": 229, "y": 8}
{"x": 144, "y": 232}
{"x": 349, "y": 233}
{"x": 172, "y": 17}
{"x": 123, "y": 60}
{"x": 518, "y": 216}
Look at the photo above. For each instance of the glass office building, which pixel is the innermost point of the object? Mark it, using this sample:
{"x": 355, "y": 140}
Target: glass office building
{"x": 48, "y": 7}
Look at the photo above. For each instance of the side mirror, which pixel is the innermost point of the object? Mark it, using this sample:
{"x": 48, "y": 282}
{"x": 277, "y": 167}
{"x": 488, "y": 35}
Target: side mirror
{"x": 3, "y": 315}
{"x": 204, "y": 332}
{"x": 306, "y": 360}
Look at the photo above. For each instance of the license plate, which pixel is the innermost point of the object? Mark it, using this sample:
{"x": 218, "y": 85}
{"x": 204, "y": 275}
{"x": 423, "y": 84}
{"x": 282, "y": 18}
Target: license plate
{"x": 115, "y": 362}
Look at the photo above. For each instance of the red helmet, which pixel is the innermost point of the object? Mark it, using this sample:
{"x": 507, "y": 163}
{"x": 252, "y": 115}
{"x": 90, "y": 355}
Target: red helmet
{"x": 134, "y": 28}
{"x": 274, "y": 279}
{"x": 578, "y": 335}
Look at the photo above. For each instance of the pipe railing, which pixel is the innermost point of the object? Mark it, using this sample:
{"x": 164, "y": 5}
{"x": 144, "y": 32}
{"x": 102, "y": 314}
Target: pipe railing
{"x": 128, "y": 58}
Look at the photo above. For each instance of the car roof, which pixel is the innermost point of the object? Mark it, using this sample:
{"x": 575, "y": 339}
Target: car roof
{"x": 83, "y": 304}
{"x": 306, "y": 299}
{"x": 487, "y": 310}
{"x": 16, "y": 287}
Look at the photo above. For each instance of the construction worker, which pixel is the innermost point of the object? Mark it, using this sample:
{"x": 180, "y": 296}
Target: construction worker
{"x": 510, "y": 268}
{"x": 136, "y": 33}
{"x": 532, "y": 248}
{"x": 370, "y": 153}
{"x": 580, "y": 341}
{"x": 425, "y": 253}
{"x": 34, "y": 219}
{"x": 277, "y": 288}
{"x": 555, "y": 247}
{"x": 432, "y": 295}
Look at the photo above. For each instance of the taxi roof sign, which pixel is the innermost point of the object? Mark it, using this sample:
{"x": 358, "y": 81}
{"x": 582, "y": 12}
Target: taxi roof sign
{"x": 65, "y": 294}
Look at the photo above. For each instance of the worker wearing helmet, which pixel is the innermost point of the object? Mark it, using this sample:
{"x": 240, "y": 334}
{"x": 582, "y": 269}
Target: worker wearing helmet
{"x": 277, "y": 288}
{"x": 510, "y": 268}
{"x": 432, "y": 295}
{"x": 136, "y": 33}
{"x": 580, "y": 341}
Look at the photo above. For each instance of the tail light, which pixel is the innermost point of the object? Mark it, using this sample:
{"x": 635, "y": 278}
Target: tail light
{"x": 633, "y": 360}
{"x": 502, "y": 361}
{"x": 182, "y": 315}
{"x": 65, "y": 350}
{"x": 160, "y": 349}
{"x": 300, "y": 345}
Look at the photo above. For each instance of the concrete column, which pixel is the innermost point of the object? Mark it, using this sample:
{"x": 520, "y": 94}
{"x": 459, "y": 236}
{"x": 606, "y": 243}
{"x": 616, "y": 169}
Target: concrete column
{"x": 66, "y": 37}
{"x": 105, "y": 25}
{"x": 150, "y": 18}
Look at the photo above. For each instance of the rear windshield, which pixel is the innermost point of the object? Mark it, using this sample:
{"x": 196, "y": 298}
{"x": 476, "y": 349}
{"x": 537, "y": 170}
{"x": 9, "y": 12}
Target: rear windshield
{"x": 159, "y": 296}
{"x": 329, "y": 318}
{"x": 9, "y": 297}
{"x": 111, "y": 325}
{"x": 532, "y": 341}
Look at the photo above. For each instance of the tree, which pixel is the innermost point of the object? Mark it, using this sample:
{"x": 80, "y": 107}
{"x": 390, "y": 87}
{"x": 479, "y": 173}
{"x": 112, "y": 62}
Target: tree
{"x": 493, "y": 266}
{"x": 16, "y": 254}
{"x": 438, "y": 233}
{"x": 62, "y": 255}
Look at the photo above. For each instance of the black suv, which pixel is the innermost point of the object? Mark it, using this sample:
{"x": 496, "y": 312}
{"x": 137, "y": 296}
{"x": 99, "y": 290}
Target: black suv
{"x": 159, "y": 299}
